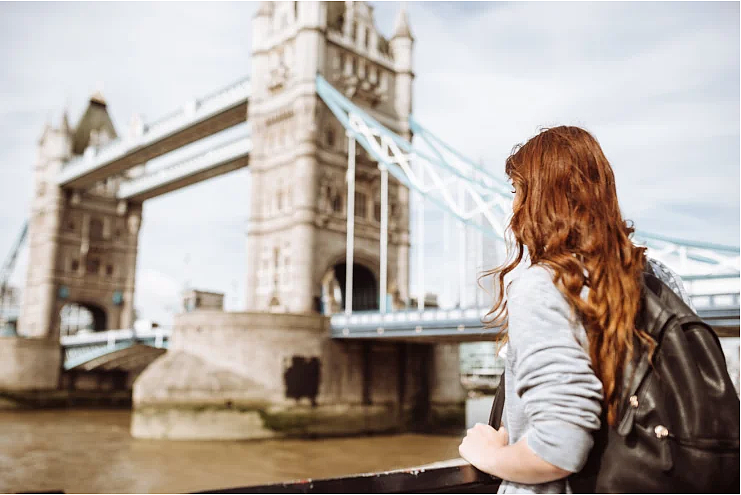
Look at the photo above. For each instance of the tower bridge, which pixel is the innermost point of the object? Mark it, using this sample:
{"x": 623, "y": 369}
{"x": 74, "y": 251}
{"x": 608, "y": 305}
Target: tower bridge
{"x": 341, "y": 175}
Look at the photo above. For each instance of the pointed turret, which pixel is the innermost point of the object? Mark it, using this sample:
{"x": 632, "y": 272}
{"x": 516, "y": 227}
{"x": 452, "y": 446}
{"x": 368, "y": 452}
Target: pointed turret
{"x": 265, "y": 9}
{"x": 64, "y": 126}
{"x": 401, "y": 28}
{"x": 96, "y": 122}
{"x": 402, "y": 46}
{"x": 45, "y": 131}
{"x": 98, "y": 98}
{"x": 261, "y": 26}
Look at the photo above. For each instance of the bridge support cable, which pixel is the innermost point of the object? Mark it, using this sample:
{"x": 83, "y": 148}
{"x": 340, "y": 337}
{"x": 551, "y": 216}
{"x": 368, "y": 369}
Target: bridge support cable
{"x": 438, "y": 182}
{"x": 479, "y": 241}
{"x": 350, "y": 222}
{"x": 462, "y": 232}
{"x": 7, "y": 269}
{"x": 384, "y": 235}
{"x": 441, "y": 175}
{"x": 420, "y": 219}
{"x": 715, "y": 258}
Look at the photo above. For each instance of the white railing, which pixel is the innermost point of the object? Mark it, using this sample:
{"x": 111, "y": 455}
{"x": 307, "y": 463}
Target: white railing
{"x": 110, "y": 338}
{"x": 712, "y": 301}
{"x": 198, "y": 109}
{"x": 458, "y": 320}
{"x": 191, "y": 113}
{"x": 203, "y": 161}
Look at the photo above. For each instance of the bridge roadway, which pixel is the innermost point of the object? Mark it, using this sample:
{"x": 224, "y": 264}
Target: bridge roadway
{"x": 219, "y": 160}
{"x": 122, "y": 348}
{"x": 195, "y": 120}
{"x": 721, "y": 311}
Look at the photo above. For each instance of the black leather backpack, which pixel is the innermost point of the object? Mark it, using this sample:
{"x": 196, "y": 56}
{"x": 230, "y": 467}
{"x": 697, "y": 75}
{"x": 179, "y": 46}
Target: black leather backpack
{"x": 678, "y": 428}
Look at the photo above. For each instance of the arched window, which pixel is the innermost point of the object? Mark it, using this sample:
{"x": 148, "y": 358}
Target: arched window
{"x": 329, "y": 137}
{"x": 337, "y": 203}
{"x": 96, "y": 229}
{"x": 361, "y": 206}
{"x": 93, "y": 265}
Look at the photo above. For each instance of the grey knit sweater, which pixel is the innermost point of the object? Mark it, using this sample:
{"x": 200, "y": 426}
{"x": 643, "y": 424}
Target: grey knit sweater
{"x": 552, "y": 396}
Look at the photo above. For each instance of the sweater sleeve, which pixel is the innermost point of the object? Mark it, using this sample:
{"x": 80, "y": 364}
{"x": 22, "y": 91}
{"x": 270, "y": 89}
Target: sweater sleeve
{"x": 561, "y": 395}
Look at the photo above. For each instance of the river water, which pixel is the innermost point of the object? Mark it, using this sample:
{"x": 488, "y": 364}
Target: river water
{"x": 91, "y": 451}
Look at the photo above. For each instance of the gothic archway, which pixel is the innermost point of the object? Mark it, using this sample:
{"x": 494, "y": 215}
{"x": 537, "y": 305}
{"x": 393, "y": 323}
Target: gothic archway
{"x": 82, "y": 316}
{"x": 365, "y": 287}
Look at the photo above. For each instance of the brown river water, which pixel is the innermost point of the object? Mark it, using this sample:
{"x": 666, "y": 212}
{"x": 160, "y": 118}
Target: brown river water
{"x": 91, "y": 451}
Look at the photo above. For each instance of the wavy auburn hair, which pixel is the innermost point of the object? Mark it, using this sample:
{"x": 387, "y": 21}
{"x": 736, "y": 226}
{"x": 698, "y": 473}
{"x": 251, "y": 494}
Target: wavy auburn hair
{"x": 566, "y": 213}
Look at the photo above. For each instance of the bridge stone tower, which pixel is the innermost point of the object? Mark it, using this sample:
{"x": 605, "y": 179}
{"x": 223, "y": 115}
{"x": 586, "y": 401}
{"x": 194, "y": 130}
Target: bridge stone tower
{"x": 246, "y": 375}
{"x": 82, "y": 249}
{"x": 297, "y": 237}
{"x": 83, "y": 243}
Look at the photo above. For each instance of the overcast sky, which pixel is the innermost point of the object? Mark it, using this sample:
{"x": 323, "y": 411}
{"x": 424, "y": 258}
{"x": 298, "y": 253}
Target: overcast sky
{"x": 657, "y": 84}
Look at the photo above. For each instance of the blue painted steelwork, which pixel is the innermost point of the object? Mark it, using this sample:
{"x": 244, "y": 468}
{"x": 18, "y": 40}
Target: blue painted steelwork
{"x": 466, "y": 324}
{"x": 486, "y": 189}
{"x": 9, "y": 265}
{"x": 83, "y": 348}
{"x": 396, "y": 153}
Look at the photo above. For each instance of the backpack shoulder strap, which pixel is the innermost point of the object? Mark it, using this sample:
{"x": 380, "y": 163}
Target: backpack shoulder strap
{"x": 497, "y": 408}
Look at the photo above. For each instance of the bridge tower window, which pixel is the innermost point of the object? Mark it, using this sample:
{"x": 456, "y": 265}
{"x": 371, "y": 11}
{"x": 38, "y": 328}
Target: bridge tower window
{"x": 329, "y": 138}
{"x": 377, "y": 211}
{"x": 109, "y": 270}
{"x": 361, "y": 208}
{"x": 340, "y": 62}
{"x": 337, "y": 203}
{"x": 74, "y": 265}
{"x": 96, "y": 229}
{"x": 93, "y": 265}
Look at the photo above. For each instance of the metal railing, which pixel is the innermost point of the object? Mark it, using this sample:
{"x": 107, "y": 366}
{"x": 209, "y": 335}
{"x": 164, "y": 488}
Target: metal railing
{"x": 110, "y": 338}
{"x": 215, "y": 156}
{"x": 189, "y": 114}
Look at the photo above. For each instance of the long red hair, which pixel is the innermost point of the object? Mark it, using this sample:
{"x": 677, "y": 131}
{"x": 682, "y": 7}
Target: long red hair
{"x": 566, "y": 214}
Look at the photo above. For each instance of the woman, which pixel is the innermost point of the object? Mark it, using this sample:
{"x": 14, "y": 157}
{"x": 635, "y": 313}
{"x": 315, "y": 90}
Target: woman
{"x": 569, "y": 317}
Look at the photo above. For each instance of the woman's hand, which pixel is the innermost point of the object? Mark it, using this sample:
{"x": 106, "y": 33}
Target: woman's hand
{"x": 480, "y": 445}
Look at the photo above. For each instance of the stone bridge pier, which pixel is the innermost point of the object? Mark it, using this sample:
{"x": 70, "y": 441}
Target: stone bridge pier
{"x": 262, "y": 375}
